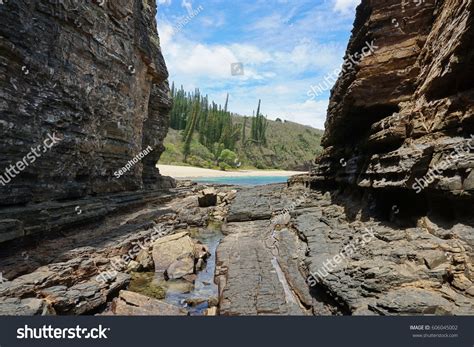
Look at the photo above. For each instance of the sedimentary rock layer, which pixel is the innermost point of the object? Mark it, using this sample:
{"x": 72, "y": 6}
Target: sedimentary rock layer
{"x": 91, "y": 75}
{"x": 331, "y": 255}
{"x": 402, "y": 120}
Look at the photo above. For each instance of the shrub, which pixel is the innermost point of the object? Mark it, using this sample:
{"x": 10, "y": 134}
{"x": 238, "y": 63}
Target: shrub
{"x": 224, "y": 167}
{"x": 228, "y": 157}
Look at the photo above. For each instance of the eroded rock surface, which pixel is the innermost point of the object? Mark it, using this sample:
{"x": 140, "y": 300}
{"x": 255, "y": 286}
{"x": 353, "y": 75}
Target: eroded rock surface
{"x": 82, "y": 272}
{"x": 92, "y": 75}
{"x": 379, "y": 266}
{"x": 258, "y": 271}
{"x": 402, "y": 120}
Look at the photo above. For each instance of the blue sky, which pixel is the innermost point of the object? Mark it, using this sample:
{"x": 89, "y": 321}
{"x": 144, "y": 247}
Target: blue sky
{"x": 285, "y": 47}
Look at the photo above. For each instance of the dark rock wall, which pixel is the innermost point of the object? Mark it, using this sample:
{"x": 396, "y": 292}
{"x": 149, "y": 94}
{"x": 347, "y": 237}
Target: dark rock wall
{"x": 400, "y": 113}
{"x": 92, "y": 74}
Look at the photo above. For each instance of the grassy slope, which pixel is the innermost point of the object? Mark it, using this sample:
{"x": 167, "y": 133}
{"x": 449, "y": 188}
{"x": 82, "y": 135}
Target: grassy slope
{"x": 290, "y": 146}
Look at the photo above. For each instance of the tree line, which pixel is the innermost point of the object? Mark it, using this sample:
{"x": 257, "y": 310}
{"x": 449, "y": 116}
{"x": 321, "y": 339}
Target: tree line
{"x": 192, "y": 113}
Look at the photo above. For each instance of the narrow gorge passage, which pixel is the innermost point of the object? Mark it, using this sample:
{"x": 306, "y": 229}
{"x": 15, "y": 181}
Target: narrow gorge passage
{"x": 377, "y": 219}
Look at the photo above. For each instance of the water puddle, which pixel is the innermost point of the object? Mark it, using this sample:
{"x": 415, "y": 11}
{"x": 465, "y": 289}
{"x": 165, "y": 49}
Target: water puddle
{"x": 197, "y": 298}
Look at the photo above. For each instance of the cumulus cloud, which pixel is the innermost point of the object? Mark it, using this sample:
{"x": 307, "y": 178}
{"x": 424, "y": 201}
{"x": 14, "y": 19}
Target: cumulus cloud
{"x": 283, "y": 54}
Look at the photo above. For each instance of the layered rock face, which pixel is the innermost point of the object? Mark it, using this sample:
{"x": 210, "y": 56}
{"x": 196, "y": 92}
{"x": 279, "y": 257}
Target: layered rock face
{"x": 402, "y": 120}
{"x": 398, "y": 160}
{"x": 89, "y": 75}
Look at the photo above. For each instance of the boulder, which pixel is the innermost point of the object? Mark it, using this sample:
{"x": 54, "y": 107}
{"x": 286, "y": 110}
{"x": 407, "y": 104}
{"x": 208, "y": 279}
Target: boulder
{"x": 145, "y": 260}
{"x": 170, "y": 248}
{"x": 201, "y": 251}
{"x": 207, "y": 198}
{"x": 180, "y": 268}
{"x": 195, "y": 301}
{"x": 133, "y": 266}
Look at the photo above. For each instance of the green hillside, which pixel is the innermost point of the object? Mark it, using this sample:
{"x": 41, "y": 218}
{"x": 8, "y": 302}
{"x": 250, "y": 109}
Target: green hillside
{"x": 205, "y": 134}
{"x": 289, "y": 146}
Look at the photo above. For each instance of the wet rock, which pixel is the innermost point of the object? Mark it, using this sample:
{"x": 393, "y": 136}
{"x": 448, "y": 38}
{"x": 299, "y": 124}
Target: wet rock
{"x": 201, "y": 251}
{"x": 195, "y": 301}
{"x": 184, "y": 286}
{"x": 200, "y": 264}
{"x": 248, "y": 281}
{"x": 133, "y": 304}
{"x": 146, "y": 284}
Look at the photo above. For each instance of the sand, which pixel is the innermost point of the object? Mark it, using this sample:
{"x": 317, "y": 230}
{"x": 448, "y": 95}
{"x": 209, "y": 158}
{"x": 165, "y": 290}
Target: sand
{"x": 195, "y": 172}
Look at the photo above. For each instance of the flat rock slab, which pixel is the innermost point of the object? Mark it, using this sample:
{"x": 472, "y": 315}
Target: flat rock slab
{"x": 250, "y": 279}
{"x": 134, "y": 304}
{"x": 256, "y": 203}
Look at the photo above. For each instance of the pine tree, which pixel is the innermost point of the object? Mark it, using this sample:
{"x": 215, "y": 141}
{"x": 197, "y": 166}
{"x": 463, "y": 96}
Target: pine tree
{"x": 259, "y": 127}
{"x": 191, "y": 126}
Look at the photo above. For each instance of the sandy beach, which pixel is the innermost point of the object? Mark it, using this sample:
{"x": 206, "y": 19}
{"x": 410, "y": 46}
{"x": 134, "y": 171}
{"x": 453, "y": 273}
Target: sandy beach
{"x": 195, "y": 172}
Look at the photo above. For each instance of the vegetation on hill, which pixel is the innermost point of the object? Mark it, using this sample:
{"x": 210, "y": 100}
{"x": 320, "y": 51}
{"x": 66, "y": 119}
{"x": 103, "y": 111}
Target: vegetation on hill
{"x": 207, "y": 135}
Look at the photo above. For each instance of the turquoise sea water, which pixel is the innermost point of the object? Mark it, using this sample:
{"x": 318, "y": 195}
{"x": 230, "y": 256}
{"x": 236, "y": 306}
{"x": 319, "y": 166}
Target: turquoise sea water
{"x": 244, "y": 180}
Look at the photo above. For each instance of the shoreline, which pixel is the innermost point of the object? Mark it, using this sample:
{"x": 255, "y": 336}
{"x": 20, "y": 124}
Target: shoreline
{"x": 190, "y": 172}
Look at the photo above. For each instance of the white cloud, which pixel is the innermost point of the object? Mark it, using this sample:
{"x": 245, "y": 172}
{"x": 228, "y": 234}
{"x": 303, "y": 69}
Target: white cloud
{"x": 346, "y": 6}
{"x": 216, "y": 21}
{"x": 188, "y": 6}
{"x": 283, "y": 55}
{"x": 164, "y": 2}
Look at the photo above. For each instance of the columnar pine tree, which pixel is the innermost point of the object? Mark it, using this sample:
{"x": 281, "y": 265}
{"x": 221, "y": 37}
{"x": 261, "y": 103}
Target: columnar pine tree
{"x": 259, "y": 127}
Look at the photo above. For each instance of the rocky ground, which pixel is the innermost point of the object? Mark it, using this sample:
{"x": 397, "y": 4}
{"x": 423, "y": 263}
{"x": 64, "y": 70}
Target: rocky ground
{"x": 274, "y": 238}
{"x": 421, "y": 269}
{"x": 85, "y": 271}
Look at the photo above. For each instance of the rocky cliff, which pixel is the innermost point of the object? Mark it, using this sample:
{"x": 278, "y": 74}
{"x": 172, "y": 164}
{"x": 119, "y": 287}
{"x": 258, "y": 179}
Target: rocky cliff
{"x": 397, "y": 163}
{"x": 401, "y": 122}
{"x": 83, "y": 92}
